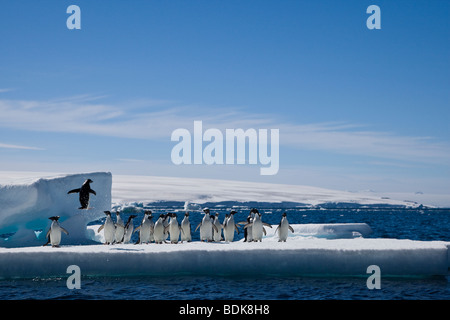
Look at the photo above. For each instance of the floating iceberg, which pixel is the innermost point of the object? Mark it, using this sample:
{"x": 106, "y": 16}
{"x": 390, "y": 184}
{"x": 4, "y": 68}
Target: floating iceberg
{"x": 294, "y": 257}
{"x": 27, "y": 206}
{"x": 313, "y": 249}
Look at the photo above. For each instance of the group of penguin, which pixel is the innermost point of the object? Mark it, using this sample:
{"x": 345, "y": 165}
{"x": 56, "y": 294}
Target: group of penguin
{"x": 167, "y": 226}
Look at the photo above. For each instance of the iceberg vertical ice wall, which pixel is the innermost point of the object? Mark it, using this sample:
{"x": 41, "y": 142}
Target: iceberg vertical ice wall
{"x": 25, "y": 208}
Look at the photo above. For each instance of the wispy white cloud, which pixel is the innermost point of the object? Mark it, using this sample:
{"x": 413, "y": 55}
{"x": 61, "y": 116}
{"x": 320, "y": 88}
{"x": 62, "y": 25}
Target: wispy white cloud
{"x": 86, "y": 114}
{"x": 2, "y": 90}
{"x": 13, "y": 146}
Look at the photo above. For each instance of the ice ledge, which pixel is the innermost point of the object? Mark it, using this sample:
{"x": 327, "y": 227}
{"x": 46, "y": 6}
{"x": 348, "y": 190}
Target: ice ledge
{"x": 300, "y": 257}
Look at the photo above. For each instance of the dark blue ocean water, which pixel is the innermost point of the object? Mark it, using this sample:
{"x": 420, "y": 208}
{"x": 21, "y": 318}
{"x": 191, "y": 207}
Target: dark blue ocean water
{"x": 417, "y": 224}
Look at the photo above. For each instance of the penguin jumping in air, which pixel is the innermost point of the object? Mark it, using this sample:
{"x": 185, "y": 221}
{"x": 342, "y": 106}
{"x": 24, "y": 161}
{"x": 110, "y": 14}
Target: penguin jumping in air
{"x": 54, "y": 233}
{"x": 84, "y": 192}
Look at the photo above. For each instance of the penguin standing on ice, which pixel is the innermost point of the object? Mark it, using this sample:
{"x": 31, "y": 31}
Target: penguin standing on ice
{"x": 186, "y": 228}
{"x": 229, "y": 227}
{"x": 283, "y": 228}
{"x": 54, "y": 233}
{"x": 248, "y": 232}
{"x": 109, "y": 228}
{"x": 174, "y": 229}
{"x": 158, "y": 230}
{"x": 129, "y": 229}
{"x": 120, "y": 229}
{"x": 145, "y": 229}
{"x": 206, "y": 227}
{"x": 257, "y": 226}
{"x": 217, "y": 235}
{"x": 84, "y": 192}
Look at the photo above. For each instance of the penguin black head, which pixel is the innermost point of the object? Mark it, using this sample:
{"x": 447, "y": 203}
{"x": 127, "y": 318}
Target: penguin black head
{"x": 148, "y": 211}
{"x": 233, "y": 212}
{"x": 108, "y": 213}
{"x": 284, "y": 214}
{"x": 174, "y": 215}
{"x": 206, "y": 210}
{"x": 88, "y": 181}
{"x": 254, "y": 210}
{"x": 163, "y": 216}
{"x": 54, "y": 218}
{"x": 186, "y": 214}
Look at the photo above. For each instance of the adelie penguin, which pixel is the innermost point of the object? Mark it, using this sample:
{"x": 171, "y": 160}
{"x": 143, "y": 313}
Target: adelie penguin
{"x": 146, "y": 228}
{"x": 206, "y": 227}
{"x": 283, "y": 228}
{"x": 84, "y": 192}
{"x": 186, "y": 228}
{"x": 174, "y": 228}
{"x": 120, "y": 229}
{"x": 229, "y": 227}
{"x": 129, "y": 229}
{"x": 158, "y": 230}
{"x": 257, "y": 226}
{"x": 109, "y": 229}
{"x": 54, "y": 233}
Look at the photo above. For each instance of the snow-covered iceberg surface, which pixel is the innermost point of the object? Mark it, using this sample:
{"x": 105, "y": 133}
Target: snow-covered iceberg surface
{"x": 294, "y": 257}
{"x": 27, "y": 206}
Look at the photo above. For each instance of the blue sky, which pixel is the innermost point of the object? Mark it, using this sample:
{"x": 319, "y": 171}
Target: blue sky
{"x": 357, "y": 109}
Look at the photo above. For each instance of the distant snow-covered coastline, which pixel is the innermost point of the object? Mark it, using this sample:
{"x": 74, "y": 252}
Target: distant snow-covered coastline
{"x": 149, "y": 189}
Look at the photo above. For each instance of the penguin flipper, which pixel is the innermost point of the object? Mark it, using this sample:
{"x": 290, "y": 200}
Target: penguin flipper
{"x": 292, "y": 229}
{"x": 215, "y": 228}
{"x": 236, "y": 227}
{"x": 92, "y": 191}
{"x": 74, "y": 191}
{"x": 267, "y": 225}
{"x": 198, "y": 226}
{"x": 101, "y": 228}
{"x": 248, "y": 225}
{"x": 264, "y": 230}
{"x": 64, "y": 230}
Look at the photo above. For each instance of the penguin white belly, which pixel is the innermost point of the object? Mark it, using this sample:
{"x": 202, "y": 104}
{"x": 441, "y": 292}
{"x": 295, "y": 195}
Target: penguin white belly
{"x": 186, "y": 231}
{"x": 206, "y": 231}
{"x": 249, "y": 234}
{"x": 158, "y": 232}
{"x": 128, "y": 233}
{"x": 109, "y": 231}
{"x": 55, "y": 235}
{"x": 283, "y": 231}
{"x": 228, "y": 232}
{"x": 118, "y": 236}
{"x": 217, "y": 235}
{"x": 144, "y": 232}
{"x": 257, "y": 230}
{"x": 174, "y": 231}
